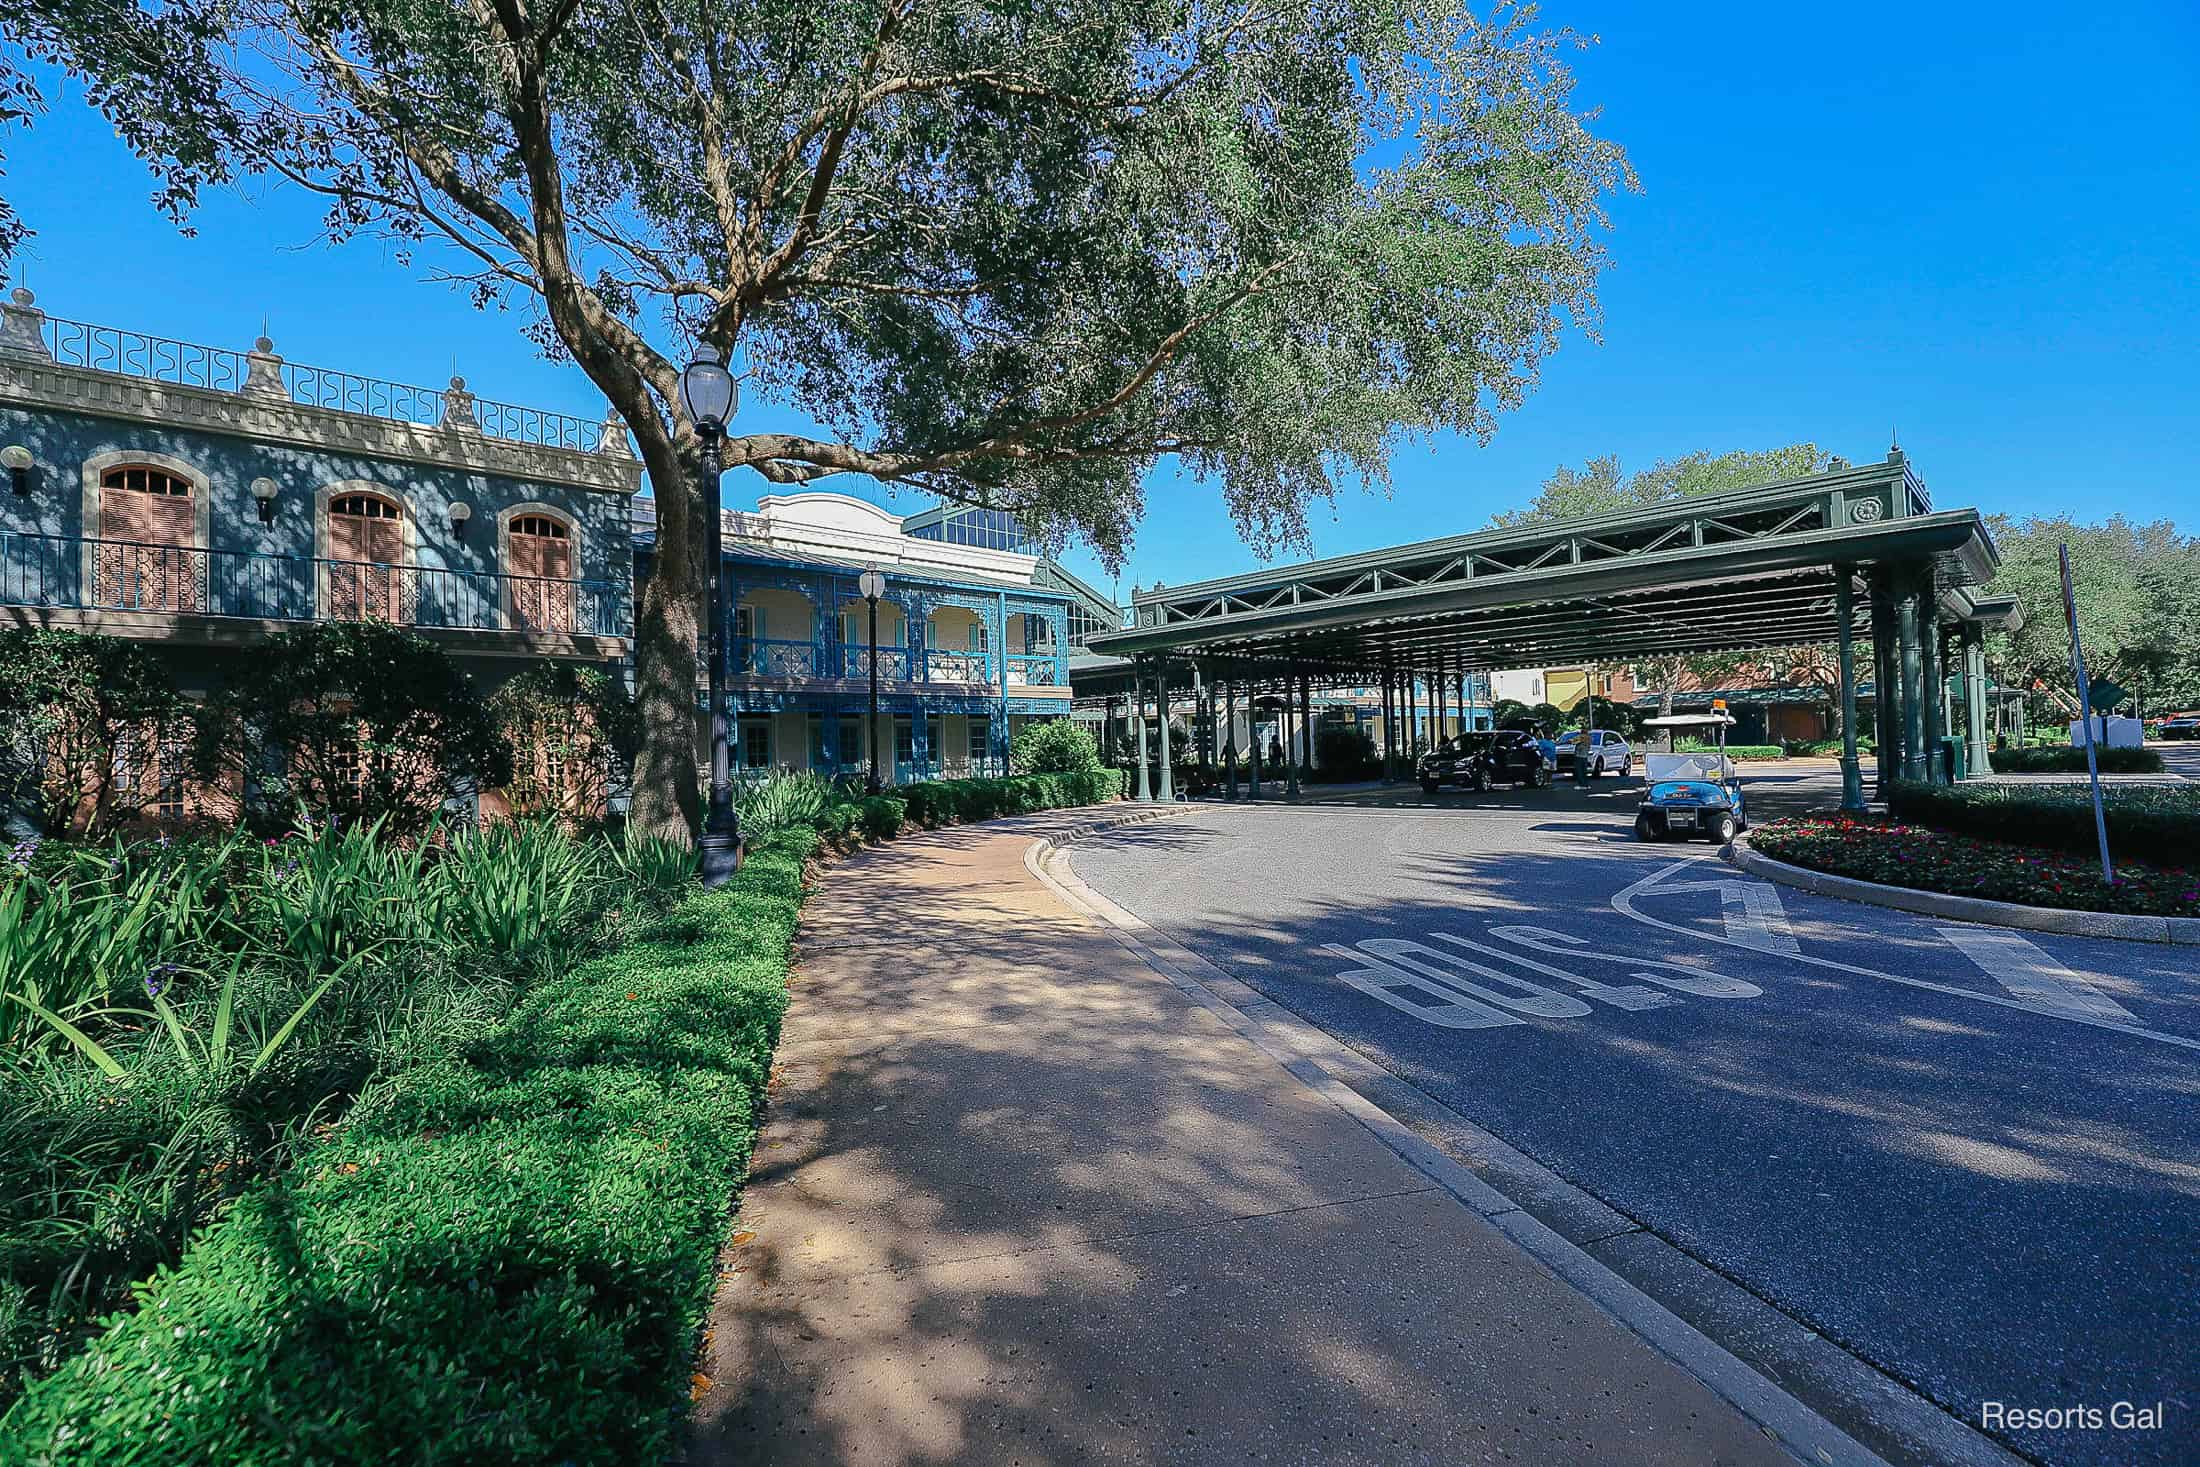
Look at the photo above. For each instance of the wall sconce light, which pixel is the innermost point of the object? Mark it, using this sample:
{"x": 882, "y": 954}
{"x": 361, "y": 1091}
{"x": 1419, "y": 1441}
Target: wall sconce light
{"x": 461, "y": 512}
{"x": 263, "y": 490}
{"x": 18, "y": 460}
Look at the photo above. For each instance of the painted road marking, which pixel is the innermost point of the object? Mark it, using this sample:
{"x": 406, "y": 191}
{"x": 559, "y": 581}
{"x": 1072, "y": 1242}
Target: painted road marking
{"x": 1623, "y": 902}
{"x": 2034, "y": 976}
{"x": 1755, "y": 918}
{"x": 1433, "y": 985}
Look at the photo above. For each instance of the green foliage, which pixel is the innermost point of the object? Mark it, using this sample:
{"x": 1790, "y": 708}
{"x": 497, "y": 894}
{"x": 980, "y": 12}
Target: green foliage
{"x": 1619, "y": 717}
{"x": 780, "y": 800}
{"x": 883, "y": 816}
{"x": 1509, "y": 710}
{"x": 573, "y": 731}
{"x": 504, "y": 1255}
{"x": 1733, "y": 751}
{"x": 74, "y": 710}
{"x": 2061, "y": 758}
{"x": 359, "y": 720}
{"x": 1601, "y": 487}
{"x": 2145, "y": 823}
{"x": 1055, "y": 746}
{"x": 1897, "y": 854}
{"x": 2137, "y": 588}
{"x": 1344, "y": 753}
{"x": 515, "y": 887}
{"x": 180, "y": 1017}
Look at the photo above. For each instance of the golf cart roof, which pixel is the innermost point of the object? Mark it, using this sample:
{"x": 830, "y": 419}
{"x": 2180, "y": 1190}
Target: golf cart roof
{"x": 1691, "y": 720}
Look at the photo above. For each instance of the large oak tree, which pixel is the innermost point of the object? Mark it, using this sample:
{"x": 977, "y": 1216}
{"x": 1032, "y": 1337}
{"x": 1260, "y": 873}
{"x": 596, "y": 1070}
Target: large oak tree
{"x": 1007, "y": 252}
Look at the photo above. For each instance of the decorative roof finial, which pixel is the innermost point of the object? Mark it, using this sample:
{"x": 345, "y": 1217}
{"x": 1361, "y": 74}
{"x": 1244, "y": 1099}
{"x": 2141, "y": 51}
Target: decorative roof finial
{"x": 23, "y": 326}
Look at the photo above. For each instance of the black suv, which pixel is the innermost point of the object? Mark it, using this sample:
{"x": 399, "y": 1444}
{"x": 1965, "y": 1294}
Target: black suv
{"x": 1476, "y": 761}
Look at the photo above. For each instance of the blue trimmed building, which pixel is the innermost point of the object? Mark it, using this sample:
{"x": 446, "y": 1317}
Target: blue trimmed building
{"x": 200, "y": 499}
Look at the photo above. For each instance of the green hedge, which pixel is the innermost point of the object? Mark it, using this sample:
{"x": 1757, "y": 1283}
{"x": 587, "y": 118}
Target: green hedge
{"x": 1734, "y": 751}
{"x": 2063, "y": 759}
{"x": 2144, "y": 823}
{"x": 959, "y": 801}
{"x": 502, "y": 1258}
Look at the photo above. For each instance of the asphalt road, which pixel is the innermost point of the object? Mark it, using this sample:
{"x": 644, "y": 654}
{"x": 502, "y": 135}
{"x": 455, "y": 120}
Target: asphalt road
{"x": 1971, "y": 1157}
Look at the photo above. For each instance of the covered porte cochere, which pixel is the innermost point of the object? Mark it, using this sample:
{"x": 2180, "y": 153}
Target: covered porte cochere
{"x": 1854, "y": 557}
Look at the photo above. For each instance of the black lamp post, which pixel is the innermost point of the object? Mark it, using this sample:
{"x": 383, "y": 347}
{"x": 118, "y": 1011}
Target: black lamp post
{"x": 873, "y": 586}
{"x": 707, "y": 396}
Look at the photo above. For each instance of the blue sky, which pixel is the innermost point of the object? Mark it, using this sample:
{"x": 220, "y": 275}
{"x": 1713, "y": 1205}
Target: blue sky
{"x": 1974, "y": 224}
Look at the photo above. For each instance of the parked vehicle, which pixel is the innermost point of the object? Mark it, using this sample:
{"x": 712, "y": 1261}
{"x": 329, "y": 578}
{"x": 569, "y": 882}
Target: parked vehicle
{"x": 1475, "y": 761}
{"x": 1607, "y": 752}
{"x": 2181, "y": 726}
{"x": 1692, "y": 794}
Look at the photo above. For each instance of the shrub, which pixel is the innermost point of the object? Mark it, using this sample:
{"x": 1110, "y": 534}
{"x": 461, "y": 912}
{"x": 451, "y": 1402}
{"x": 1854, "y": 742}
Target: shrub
{"x": 1343, "y": 753}
{"x": 502, "y": 1257}
{"x": 1057, "y": 746}
{"x": 883, "y": 815}
{"x": 93, "y": 726}
{"x": 357, "y": 719}
{"x": 573, "y": 732}
{"x": 780, "y": 800}
{"x": 2062, "y": 759}
{"x": 1733, "y": 751}
{"x": 2144, "y": 823}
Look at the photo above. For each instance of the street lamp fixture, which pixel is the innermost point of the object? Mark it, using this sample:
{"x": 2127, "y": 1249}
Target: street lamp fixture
{"x": 264, "y": 491}
{"x": 872, "y": 585}
{"x": 461, "y": 512}
{"x": 708, "y": 397}
{"x": 18, "y": 461}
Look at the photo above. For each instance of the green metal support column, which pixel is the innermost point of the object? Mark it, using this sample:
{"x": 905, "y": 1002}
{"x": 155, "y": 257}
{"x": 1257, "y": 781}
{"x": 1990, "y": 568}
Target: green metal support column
{"x": 1886, "y": 682}
{"x": 1390, "y": 731}
{"x": 1290, "y": 755}
{"x": 1306, "y": 718}
{"x": 1252, "y": 736}
{"x": 1910, "y": 739}
{"x": 1161, "y": 701}
{"x": 1229, "y": 737}
{"x": 1935, "y": 684}
{"x": 1138, "y": 716}
{"x": 1844, "y": 612}
{"x": 1974, "y": 696}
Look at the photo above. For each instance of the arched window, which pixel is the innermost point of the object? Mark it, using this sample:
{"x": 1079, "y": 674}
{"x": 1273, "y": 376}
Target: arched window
{"x": 366, "y": 573}
{"x": 148, "y": 527}
{"x": 538, "y": 558}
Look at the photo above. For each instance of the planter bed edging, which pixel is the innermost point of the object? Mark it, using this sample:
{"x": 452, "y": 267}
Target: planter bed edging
{"x": 2127, "y": 926}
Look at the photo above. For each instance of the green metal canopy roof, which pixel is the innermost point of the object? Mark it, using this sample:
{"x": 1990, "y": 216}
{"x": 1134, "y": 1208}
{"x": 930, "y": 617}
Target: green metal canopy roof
{"x": 1718, "y": 572}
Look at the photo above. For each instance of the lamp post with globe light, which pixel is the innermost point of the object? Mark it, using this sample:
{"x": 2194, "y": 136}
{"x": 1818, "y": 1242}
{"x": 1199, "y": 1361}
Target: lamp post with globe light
{"x": 708, "y": 396}
{"x": 873, "y": 586}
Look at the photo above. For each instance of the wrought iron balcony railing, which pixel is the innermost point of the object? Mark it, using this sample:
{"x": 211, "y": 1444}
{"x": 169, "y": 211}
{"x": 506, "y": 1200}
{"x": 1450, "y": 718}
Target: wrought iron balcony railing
{"x": 136, "y": 354}
{"x": 781, "y": 657}
{"x": 71, "y": 572}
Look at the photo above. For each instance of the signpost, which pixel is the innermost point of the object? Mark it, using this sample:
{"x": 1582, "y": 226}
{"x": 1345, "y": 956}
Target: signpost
{"x": 2085, "y": 717}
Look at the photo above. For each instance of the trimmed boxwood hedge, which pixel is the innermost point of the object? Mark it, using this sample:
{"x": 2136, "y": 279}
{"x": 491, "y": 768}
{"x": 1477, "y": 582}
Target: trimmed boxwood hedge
{"x": 2062, "y": 759}
{"x": 506, "y": 1257}
{"x": 2145, "y": 823}
{"x": 956, "y": 801}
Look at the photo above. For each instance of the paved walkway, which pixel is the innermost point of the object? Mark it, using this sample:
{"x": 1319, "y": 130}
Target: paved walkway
{"x": 1022, "y": 1200}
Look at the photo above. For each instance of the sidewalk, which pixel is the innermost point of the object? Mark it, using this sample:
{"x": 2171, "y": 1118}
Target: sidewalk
{"x": 1022, "y": 1200}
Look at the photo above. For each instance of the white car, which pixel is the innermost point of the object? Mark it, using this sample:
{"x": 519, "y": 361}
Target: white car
{"x": 1608, "y": 752}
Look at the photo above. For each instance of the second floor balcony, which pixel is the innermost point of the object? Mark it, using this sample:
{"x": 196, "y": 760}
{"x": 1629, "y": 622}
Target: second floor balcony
{"x": 799, "y": 661}
{"x": 163, "y": 585}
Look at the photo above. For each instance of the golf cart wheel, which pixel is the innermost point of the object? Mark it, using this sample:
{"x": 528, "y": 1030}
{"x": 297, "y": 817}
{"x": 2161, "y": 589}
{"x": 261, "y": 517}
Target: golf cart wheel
{"x": 1645, "y": 828}
{"x": 1723, "y": 831}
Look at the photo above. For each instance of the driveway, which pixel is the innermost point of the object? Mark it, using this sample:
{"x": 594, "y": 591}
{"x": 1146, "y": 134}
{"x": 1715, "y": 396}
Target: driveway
{"x": 1969, "y": 1156}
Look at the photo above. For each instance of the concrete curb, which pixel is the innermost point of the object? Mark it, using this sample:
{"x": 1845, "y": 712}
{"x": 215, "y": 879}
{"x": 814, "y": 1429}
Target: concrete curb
{"x": 1317, "y": 1060}
{"x": 2184, "y": 931}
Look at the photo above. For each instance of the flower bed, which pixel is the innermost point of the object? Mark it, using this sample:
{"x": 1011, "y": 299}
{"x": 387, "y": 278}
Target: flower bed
{"x": 1897, "y": 854}
{"x": 2145, "y": 823}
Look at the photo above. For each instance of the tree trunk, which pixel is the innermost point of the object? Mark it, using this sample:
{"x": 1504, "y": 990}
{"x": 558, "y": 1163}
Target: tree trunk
{"x": 668, "y": 627}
